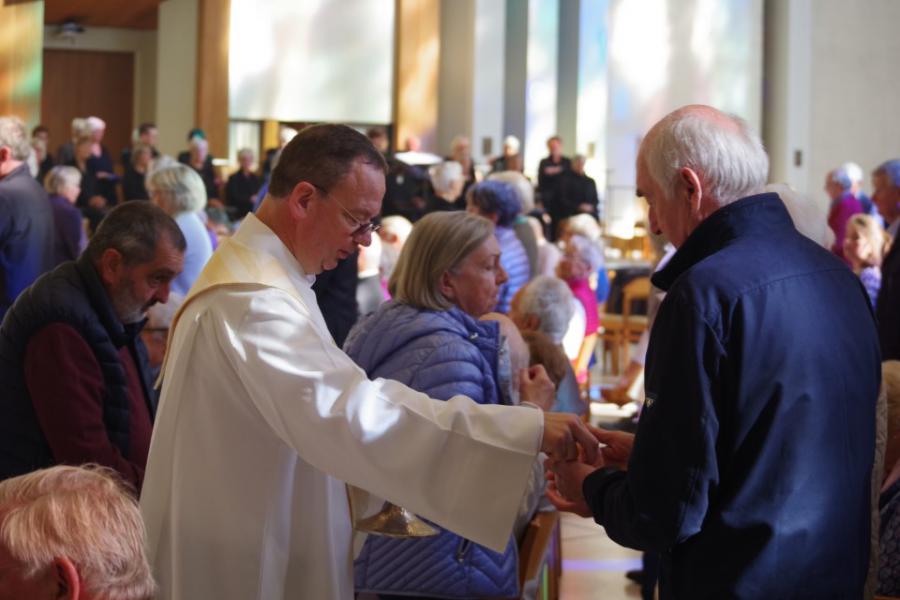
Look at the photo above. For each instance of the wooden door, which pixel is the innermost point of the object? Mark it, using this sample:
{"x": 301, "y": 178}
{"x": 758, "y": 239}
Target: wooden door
{"x": 79, "y": 83}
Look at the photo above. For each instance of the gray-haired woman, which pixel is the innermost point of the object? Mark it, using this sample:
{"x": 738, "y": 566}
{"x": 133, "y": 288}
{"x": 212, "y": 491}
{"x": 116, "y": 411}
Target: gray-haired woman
{"x": 63, "y": 184}
{"x": 180, "y": 192}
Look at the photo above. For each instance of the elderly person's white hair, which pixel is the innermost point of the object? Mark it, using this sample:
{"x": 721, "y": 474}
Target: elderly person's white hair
{"x": 720, "y": 148}
{"x": 550, "y": 300}
{"x": 524, "y": 189}
{"x": 95, "y": 123}
{"x": 446, "y": 177}
{"x": 83, "y": 515}
{"x": 512, "y": 144}
{"x": 14, "y": 135}
{"x": 589, "y": 250}
{"x": 198, "y": 144}
{"x": 180, "y": 189}
{"x": 808, "y": 217}
{"x": 854, "y": 172}
{"x": 61, "y": 176}
{"x": 584, "y": 225}
{"x": 397, "y": 226}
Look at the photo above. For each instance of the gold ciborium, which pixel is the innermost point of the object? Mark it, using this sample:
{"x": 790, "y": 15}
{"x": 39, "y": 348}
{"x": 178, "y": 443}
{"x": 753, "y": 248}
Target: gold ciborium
{"x": 395, "y": 521}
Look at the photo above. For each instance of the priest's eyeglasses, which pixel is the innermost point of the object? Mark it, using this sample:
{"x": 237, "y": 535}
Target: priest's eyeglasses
{"x": 360, "y": 229}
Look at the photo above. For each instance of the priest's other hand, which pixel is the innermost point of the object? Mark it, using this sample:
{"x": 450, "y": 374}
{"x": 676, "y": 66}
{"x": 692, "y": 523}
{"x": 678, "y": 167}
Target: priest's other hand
{"x": 617, "y": 446}
{"x": 535, "y": 387}
{"x": 564, "y": 480}
{"x": 563, "y": 434}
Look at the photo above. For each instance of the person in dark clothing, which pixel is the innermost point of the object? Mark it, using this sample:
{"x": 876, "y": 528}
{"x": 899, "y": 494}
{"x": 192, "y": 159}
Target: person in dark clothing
{"x": 750, "y": 472}
{"x": 148, "y": 135}
{"x": 577, "y": 192}
{"x": 336, "y": 295}
{"x": 90, "y": 202}
{"x": 886, "y": 183}
{"x": 26, "y": 219}
{"x": 242, "y": 187}
{"x": 100, "y": 163}
{"x": 44, "y": 160}
{"x": 198, "y": 159}
{"x": 63, "y": 185}
{"x": 133, "y": 183}
{"x": 72, "y": 365}
{"x": 550, "y": 176}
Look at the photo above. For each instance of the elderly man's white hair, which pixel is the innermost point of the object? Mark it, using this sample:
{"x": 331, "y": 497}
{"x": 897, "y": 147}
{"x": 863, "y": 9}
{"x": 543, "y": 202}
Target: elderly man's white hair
{"x": 854, "y": 172}
{"x": 550, "y": 299}
{"x": 444, "y": 175}
{"x": 14, "y": 135}
{"x": 808, "y": 218}
{"x": 589, "y": 250}
{"x": 512, "y": 144}
{"x": 524, "y": 189}
{"x": 396, "y": 225}
{"x": 727, "y": 155}
{"x": 84, "y": 515}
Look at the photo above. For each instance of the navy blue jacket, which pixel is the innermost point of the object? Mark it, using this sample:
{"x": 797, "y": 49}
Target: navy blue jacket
{"x": 26, "y": 234}
{"x": 750, "y": 472}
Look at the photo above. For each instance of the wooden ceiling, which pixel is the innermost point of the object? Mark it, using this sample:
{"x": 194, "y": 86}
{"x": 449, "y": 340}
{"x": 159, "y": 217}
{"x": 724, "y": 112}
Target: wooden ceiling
{"x": 127, "y": 14}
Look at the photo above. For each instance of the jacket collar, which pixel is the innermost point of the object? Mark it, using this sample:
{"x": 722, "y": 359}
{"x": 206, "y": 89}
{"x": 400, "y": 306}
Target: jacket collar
{"x": 119, "y": 333}
{"x": 760, "y": 214}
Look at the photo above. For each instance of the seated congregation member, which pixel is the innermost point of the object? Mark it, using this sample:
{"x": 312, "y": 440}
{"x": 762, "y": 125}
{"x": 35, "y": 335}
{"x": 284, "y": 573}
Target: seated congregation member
{"x": 525, "y": 192}
{"x": 72, "y": 533}
{"x": 26, "y": 235}
{"x": 178, "y": 190}
{"x": 91, "y": 202}
{"x": 133, "y": 183}
{"x": 582, "y": 258}
{"x": 100, "y": 162}
{"x": 429, "y": 337}
{"x": 72, "y": 365}
{"x": 63, "y": 185}
{"x": 198, "y": 158}
{"x": 546, "y": 305}
{"x": 499, "y": 203}
{"x": 864, "y": 243}
{"x": 447, "y": 182}
{"x": 886, "y": 196}
{"x": 242, "y": 186}
{"x": 843, "y": 206}
{"x": 147, "y": 135}
{"x": 394, "y": 232}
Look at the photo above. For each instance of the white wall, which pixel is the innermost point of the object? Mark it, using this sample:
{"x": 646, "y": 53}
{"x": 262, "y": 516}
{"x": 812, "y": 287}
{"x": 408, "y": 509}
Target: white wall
{"x": 176, "y": 82}
{"x": 832, "y": 88}
{"x": 141, "y": 43}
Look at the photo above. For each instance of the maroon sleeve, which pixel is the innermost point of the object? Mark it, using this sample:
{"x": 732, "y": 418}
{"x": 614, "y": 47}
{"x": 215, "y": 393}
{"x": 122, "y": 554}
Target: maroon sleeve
{"x": 67, "y": 389}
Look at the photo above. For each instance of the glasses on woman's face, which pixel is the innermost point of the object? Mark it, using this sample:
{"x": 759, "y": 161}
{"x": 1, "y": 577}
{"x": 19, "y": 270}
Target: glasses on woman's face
{"x": 360, "y": 229}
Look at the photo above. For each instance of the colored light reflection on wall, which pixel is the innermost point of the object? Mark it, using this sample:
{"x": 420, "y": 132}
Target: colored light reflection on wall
{"x": 21, "y": 60}
{"x": 314, "y": 60}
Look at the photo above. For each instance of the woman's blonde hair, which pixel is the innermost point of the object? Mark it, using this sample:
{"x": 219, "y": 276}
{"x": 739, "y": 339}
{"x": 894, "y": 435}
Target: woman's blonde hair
{"x": 871, "y": 231}
{"x": 182, "y": 187}
{"x": 85, "y": 514}
{"x": 439, "y": 242}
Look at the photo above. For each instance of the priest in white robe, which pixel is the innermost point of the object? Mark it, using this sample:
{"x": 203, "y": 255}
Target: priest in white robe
{"x": 263, "y": 420}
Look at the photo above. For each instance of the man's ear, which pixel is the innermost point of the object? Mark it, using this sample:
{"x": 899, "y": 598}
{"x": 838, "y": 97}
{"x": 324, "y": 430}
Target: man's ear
{"x": 299, "y": 199}
{"x": 111, "y": 265}
{"x": 68, "y": 583}
{"x": 691, "y": 186}
{"x": 531, "y": 322}
{"x": 5, "y": 154}
{"x": 447, "y": 286}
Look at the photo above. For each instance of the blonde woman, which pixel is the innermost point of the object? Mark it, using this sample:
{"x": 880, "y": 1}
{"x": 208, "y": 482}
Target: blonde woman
{"x": 864, "y": 244}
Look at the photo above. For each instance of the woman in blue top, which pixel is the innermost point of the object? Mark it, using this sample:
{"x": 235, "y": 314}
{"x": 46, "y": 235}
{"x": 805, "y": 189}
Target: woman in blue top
{"x": 429, "y": 337}
{"x": 180, "y": 192}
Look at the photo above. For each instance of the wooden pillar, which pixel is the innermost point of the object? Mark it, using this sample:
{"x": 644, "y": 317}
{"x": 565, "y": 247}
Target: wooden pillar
{"x": 212, "y": 73}
{"x": 417, "y": 58}
{"x": 21, "y": 59}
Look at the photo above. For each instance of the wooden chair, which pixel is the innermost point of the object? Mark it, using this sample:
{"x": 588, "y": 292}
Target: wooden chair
{"x": 619, "y": 331}
{"x": 540, "y": 553}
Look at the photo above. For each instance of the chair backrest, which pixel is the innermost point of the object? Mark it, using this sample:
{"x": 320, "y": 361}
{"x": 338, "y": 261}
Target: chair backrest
{"x": 636, "y": 289}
